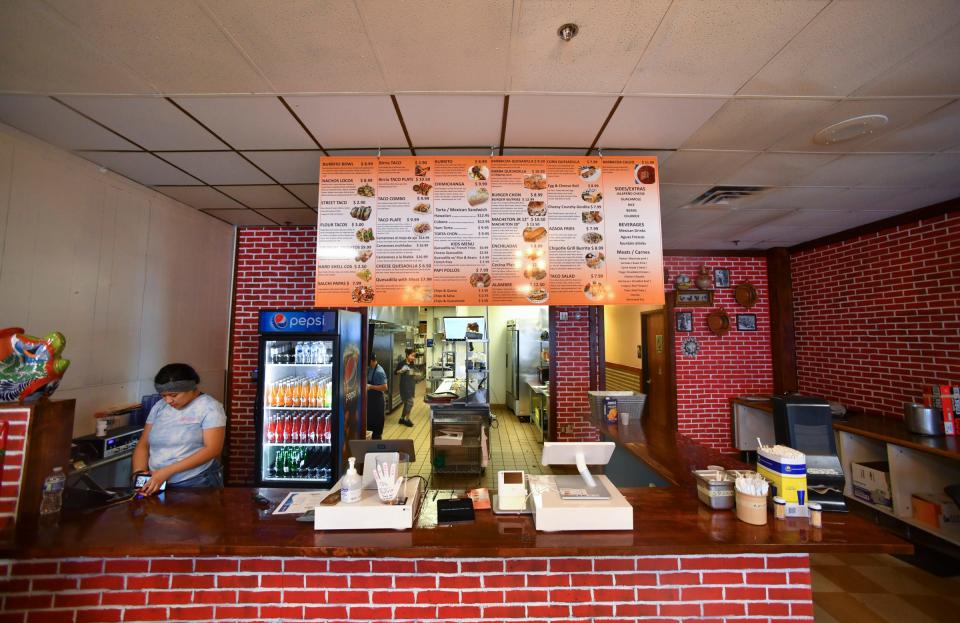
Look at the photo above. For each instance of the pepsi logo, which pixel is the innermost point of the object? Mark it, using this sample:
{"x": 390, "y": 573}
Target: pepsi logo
{"x": 279, "y": 321}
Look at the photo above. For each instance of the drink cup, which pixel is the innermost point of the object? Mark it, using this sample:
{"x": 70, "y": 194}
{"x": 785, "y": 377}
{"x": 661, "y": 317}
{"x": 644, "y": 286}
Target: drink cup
{"x": 624, "y": 418}
{"x": 391, "y": 477}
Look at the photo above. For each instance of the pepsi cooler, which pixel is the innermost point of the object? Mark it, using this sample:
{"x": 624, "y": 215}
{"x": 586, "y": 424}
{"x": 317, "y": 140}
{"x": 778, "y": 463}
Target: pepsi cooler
{"x": 308, "y": 400}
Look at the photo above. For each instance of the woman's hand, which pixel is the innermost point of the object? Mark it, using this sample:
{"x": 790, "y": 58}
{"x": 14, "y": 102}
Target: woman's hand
{"x": 157, "y": 478}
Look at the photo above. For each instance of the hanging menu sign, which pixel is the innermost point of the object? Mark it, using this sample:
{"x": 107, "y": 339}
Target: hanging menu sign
{"x": 489, "y": 231}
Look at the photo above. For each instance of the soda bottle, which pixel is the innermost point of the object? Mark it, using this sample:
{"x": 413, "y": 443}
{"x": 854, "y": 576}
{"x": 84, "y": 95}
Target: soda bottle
{"x": 283, "y": 432}
{"x": 271, "y": 429}
{"x": 312, "y": 429}
{"x": 305, "y": 428}
{"x": 328, "y": 394}
{"x": 325, "y": 430}
{"x": 53, "y": 494}
{"x": 295, "y": 393}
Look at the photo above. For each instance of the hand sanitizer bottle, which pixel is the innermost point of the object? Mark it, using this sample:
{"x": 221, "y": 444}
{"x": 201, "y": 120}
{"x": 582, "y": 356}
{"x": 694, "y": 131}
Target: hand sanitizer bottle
{"x": 350, "y": 485}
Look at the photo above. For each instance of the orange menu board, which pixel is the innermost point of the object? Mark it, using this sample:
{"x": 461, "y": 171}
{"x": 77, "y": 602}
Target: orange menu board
{"x": 489, "y": 231}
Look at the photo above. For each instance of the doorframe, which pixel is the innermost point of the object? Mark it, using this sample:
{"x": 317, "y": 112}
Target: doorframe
{"x": 670, "y": 360}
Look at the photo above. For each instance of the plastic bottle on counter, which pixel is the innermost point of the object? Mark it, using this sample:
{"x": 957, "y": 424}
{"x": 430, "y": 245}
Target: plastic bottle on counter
{"x": 350, "y": 486}
{"x": 53, "y": 493}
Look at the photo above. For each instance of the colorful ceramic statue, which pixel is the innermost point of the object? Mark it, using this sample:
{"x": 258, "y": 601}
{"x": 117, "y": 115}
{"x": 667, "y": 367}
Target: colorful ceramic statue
{"x": 30, "y": 367}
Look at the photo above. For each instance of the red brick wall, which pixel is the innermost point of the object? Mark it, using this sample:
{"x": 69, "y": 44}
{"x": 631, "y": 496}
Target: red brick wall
{"x": 764, "y": 588}
{"x": 276, "y": 267}
{"x": 878, "y": 316}
{"x": 737, "y": 363}
{"x": 17, "y": 419}
{"x": 572, "y": 366}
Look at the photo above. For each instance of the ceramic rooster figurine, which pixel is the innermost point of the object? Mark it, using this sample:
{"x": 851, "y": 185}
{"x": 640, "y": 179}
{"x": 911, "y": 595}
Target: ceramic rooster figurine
{"x": 30, "y": 367}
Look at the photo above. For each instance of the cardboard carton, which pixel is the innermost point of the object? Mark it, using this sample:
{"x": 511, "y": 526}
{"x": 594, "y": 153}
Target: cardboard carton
{"x": 871, "y": 482}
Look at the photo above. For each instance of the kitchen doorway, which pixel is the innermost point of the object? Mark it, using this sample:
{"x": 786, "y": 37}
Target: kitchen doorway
{"x": 656, "y": 366}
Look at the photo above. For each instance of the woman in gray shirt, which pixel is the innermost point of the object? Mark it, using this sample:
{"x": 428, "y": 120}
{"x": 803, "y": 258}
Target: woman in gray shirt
{"x": 183, "y": 435}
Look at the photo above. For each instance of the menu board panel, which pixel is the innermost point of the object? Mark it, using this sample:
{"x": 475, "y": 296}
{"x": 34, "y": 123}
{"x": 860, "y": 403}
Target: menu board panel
{"x": 489, "y": 231}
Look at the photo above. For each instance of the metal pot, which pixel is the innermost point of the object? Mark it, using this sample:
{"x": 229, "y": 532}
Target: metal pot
{"x": 923, "y": 420}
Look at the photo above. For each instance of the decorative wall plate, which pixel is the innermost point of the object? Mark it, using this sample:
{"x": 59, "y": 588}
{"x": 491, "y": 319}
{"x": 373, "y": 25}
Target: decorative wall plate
{"x": 745, "y": 294}
{"x": 690, "y": 346}
{"x": 718, "y": 321}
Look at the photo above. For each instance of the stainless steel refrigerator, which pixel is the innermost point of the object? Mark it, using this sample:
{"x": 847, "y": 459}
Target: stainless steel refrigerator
{"x": 523, "y": 357}
{"x": 389, "y": 343}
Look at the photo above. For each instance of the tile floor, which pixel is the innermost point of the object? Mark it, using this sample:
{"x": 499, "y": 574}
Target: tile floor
{"x": 852, "y": 588}
{"x": 513, "y": 445}
{"x": 876, "y": 588}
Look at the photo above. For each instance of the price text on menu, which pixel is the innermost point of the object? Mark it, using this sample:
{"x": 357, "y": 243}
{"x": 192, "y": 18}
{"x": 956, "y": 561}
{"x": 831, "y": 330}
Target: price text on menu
{"x": 489, "y": 231}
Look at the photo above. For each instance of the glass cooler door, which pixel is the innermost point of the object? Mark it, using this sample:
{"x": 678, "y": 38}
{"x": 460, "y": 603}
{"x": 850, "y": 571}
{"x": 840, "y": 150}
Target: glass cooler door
{"x": 297, "y": 414}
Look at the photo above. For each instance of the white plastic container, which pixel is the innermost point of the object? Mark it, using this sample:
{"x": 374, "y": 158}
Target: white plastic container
{"x": 351, "y": 484}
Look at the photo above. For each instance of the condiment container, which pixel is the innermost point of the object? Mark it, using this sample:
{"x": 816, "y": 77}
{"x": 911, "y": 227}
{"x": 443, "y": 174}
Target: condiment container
{"x": 816, "y": 515}
{"x": 714, "y": 488}
{"x": 752, "y": 509}
{"x": 779, "y": 508}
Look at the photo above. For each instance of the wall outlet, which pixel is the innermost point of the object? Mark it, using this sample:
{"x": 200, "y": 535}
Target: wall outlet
{"x": 563, "y": 315}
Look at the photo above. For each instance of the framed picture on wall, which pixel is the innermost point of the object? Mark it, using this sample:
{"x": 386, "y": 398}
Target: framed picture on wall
{"x": 693, "y": 298}
{"x": 721, "y": 277}
{"x": 684, "y": 322}
{"x": 746, "y": 322}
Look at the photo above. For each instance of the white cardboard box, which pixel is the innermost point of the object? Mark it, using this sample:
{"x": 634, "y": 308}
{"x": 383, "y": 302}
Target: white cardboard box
{"x": 369, "y": 513}
{"x": 553, "y": 514}
{"x": 871, "y": 482}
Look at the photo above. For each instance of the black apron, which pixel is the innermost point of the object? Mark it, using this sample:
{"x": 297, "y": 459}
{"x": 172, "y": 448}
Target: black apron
{"x": 376, "y": 406}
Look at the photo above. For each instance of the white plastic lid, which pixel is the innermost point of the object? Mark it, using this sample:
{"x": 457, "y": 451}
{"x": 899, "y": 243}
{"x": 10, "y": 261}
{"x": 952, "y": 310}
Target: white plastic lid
{"x": 352, "y": 469}
{"x": 779, "y": 500}
{"x": 58, "y": 469}
{"x": 813, "y": 506}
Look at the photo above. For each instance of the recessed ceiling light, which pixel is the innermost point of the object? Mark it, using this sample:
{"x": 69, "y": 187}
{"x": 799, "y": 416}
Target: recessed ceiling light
{"x": 568, "y": 31}
{"x": 849, "y": 129}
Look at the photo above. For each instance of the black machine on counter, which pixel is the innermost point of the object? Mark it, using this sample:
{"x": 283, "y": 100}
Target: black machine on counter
{"x": 805, "y": 423}
{"x": 116, "y": 442}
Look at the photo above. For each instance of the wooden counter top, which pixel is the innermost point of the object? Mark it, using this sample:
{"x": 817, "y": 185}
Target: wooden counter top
{"x": 895, "y": 432}
{"x": 229, "y": 522}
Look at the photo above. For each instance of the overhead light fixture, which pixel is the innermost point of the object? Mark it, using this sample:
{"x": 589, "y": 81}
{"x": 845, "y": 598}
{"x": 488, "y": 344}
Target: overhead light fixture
{"x": 850, "y": 129}
{"x": 568, "y": 31}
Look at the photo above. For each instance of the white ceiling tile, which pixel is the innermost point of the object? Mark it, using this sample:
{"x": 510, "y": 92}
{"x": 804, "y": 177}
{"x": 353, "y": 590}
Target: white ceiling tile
{"x": 937, "y": 171}
{"x": 796, "y": 198}
{"x": 871, "y": 200}
{"x": 936, "y": 131}
{"x": 718, "y": 222}
{"x": 200, "y": 197}
{"x": 240, "y": 217}
{"x": 861, "y": 170}
{"x": 458, "y": 151}
{"x": 900, "y": 112}
{"x": 660, "y": 154}
{"x": 715, "y": 47}
{"x": 174, "y": 45}
{"x": 452, "y": 119}
{"x": 219, "y": 167}
{"x": 286, "y": 39}
{"x": 55, "y": 123}
{"x": 600, "y": 59}
{"x": 309, "y": 193}
{"x": 249, "y": 122}
{"x": 152, "y": 122}
{"x": 931, "y": 70}
{"x": 292, "y": 216}
{"x": 702, "y": 167}
{"x": 350, "y": 121}
{"x": 673, "y": 196}
{"x": 851, "y": 42}
{"x": 139, "y": 166}
{"x": 43, "y": 53}
{"x": 657, "y": 122}
{"x": 777, "y": 169}
{"x": 789, "y": 234}
{"x": 423, "y": 45}
{"x": 265, "y": 196}
{"x": 369, "y": 152}
{"x": 542, "y": 151}
{"x": 755, "y": 124}
{"x": 288, "y": 167}
{"x": 556, "y": 120}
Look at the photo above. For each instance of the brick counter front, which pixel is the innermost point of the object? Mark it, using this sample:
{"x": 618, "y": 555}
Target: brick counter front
{"x": 633, "y": 588}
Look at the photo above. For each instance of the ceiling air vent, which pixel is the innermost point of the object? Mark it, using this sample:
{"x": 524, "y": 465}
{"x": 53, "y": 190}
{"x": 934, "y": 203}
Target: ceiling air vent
{"x": 727, "y": 195}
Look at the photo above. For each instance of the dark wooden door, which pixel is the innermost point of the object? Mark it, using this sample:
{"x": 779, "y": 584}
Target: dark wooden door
{"x": 656, "y": 366}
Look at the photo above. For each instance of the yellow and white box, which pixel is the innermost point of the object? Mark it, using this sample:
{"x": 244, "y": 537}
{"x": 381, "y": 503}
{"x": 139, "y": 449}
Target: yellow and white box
{"x": 786, "y": 469}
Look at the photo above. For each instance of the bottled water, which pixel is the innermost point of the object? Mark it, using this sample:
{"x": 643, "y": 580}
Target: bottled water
{"x": 53, "y": 492}
{"x": 298, "y": 357}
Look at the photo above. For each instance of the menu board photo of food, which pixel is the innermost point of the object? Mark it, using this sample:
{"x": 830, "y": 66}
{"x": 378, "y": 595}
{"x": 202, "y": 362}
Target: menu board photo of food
{"x": 498, "y": 230}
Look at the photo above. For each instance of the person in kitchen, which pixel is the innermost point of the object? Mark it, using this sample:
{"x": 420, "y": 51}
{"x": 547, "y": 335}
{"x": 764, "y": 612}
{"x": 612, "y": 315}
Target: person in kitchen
{"x": 376, "y": 390}
{"x": 408, "y": 385}
{"x": 183, "y": 435}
